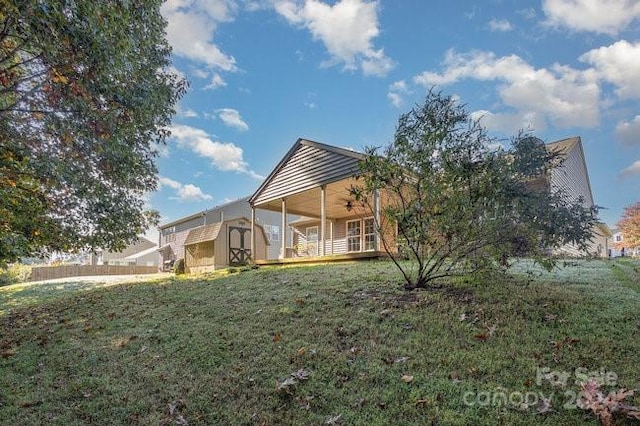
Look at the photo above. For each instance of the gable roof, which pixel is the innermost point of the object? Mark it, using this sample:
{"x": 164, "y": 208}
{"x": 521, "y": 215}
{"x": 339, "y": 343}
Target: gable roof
{"x": 565, "y": 147}
{"x": 307, "y": 165}
{"x": 202, "y": 213}
{"x": 211, "y": 232}
{"x": 202, "y": 234}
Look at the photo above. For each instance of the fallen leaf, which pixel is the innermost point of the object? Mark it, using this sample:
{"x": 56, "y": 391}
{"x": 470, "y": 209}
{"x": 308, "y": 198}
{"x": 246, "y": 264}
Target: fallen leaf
{"x": 462, "y": 317}
{"x": 276, "y": 337}
{"x": 401, "y": 359}
{"x": 544, "y": 406}
{"x": 301, "y": 351}
{"x": 491, "y": 330}
{"x": 482, "y": 337}
{"x": 285, "y": 384}
{"x": 302, "y": 374}
{"x": 406, "y": 378}
{"x": 334, "y": 420}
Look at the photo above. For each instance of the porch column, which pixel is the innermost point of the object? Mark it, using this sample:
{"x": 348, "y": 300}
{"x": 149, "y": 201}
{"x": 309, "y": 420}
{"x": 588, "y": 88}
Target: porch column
{"x": 376, "y": 220}
{"x": 323, "y": 218}
{"x": 331, "y": 234}
{"x": 283, "y": 248}
{"x": 253, "y": 233}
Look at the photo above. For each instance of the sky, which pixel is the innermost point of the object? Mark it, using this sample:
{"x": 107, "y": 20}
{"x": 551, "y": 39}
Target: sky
{"x": 264, "y": 73}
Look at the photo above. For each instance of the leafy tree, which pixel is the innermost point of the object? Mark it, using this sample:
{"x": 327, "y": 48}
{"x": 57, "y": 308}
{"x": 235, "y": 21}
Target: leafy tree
{"x": 85, "y": 98}
{"x": 453, "y": 201}
{"x": 629, "y": 225}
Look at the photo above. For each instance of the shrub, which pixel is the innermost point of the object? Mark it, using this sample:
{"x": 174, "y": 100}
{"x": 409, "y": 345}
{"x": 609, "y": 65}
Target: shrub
{"x": 178, "y": 267}
{"x": 15, "y": 273}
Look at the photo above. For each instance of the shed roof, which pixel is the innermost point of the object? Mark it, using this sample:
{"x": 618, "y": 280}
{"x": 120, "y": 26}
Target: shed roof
{"x": 202, "y": 234}
{"x": 210, "y": 232}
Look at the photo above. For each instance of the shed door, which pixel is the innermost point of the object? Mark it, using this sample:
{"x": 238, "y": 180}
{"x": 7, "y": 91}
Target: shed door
{"x": 239, "y": 245}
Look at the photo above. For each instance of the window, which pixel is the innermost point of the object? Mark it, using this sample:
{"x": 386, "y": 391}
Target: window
{"x": 369, "y": 234}
{"x": 272, "y": 231}
{"x": 618, "y": 238}
{"x": 169, "y": 234}
{"x": 353, "y": 235}
{"x": 312, "y": 240}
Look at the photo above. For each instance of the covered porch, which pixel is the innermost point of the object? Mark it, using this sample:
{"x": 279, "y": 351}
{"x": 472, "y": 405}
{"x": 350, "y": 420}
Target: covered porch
{"x": 313, "y": 181}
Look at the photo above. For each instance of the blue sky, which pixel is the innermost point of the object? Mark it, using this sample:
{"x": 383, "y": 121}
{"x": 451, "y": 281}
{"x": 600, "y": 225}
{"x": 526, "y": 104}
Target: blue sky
{"x": 265, "y": 72}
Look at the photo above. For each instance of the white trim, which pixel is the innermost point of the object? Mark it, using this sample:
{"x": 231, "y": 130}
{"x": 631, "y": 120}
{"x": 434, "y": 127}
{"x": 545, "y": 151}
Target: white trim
{"x": 359, "y": 236}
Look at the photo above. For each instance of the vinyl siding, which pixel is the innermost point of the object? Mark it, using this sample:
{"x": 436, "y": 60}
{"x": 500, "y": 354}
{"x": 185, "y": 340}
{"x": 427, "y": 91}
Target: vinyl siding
{"x": 233, "y": 210}
{"x": 308, "y": 167}
{"x": 572, "y": 177}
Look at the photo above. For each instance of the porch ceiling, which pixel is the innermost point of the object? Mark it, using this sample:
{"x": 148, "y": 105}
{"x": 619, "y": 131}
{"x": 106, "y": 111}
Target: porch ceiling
{"x": 307, "y": 203}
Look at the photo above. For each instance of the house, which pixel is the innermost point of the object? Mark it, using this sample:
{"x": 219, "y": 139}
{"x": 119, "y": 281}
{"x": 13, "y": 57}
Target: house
{"x": 222, "y": 244}
{"x": 313, "y": 180}
{"x": 617, "y": 243}
{"x": 172, "y": 235}
{"x": 140, "y": 253}
{"x": 573, "y": 178}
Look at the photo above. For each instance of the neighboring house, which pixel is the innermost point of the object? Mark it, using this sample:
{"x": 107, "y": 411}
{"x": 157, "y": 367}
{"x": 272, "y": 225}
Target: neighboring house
{"x": 223, "y": 244}
{"x": 617, "y": 243}
{"x": 573, "y": 178}
{"x": 174, "y": 234}
{"x": 313, "y": 181}
{"x": 142, "y": 253}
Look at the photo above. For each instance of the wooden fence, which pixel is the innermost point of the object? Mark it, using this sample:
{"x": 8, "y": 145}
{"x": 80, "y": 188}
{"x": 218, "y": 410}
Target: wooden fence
{"x": 41, "y": 273}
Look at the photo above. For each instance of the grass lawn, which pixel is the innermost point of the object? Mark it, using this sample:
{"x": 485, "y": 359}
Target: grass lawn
{"x": 328, "y": 344}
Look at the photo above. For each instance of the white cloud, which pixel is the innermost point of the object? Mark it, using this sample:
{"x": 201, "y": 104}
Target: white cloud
{"x": 396, "y": 92}
{"x": 561, "y": 95}
{"x": 600, "y": 16}
{"x": 501, "y": 25}
{"x": 216, "y": 81}
{"x": 510, "y": 123}
{"x": 165, "y": 181}
{"x": 231, "y": 118}
{"x": 190, "y": 28}
{"x": 188, "y": 192}
{"x": 633, "y": 169}
{"x": 628, "y": 132}
{"x": 191, "y": 192}
{"x": 223, "y": 156}
{"x": 346, "y": 28}
{"x": 185, "y": 112}
{"x": 619, "y": 64}
{"x": 528, "y": 13}
{"x": 200, "y": 73}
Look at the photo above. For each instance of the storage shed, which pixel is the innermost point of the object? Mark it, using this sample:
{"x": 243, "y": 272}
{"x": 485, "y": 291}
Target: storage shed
{"x": 222, "y": 244}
